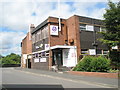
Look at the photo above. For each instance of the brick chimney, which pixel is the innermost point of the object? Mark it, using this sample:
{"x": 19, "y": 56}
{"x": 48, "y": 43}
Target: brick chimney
{"x": 31, "y": 27}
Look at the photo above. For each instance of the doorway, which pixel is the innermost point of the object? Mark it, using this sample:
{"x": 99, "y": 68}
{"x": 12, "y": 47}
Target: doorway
{"x": 29, "y": 63}
{"x": 57, "y": 58}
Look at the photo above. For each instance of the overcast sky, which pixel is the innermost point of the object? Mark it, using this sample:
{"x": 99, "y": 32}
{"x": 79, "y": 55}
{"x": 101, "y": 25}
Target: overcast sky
{"x": 17, "y": 15}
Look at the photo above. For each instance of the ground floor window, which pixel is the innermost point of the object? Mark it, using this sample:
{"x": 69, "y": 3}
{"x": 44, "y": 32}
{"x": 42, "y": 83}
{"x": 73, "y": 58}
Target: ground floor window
{"x": 40, "y": 57}
{"x": 105, "y": 52}
{"x": 98, "y": 51}
{"x": 84, "y": 51}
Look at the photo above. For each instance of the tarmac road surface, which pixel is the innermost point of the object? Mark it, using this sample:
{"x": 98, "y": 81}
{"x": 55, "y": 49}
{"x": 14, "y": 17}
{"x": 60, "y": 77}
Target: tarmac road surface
{"x": 29, "y": 78}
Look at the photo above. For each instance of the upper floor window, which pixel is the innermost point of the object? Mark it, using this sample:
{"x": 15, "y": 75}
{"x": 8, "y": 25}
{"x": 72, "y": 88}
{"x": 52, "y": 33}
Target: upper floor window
{"x": 82, "y": 26}
{"x": 86, "y": 27}
{"x": 102, "y": 29}
{"x": 40, "y": 34}
{"x": 33, "y": 38}
{"x": 97, "y": 28}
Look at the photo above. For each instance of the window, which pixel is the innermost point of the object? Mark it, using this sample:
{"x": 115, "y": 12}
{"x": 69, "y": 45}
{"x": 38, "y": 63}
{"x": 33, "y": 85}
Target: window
{"x": 40, "y": 36}
{"x": 97, "y": 28}
{"x": 47, "y": 54}
{"x": 45, "y": 31}
{"x": 86, "y": 27}
{"x": 33, "y": 55}
{"x": 102, "y": 29}
{"x": 37, "y": 37}
{"x": 84, "y": 51}
{"x": 43, "y": 54}
{"x": 105, "y": 51}
{"x": 99, "y": 51}
{"x": 33, "y": 38}
{"x": 36, "y": 55}
{"x": 82, "y": 26}
{"x": 39, "y": 55}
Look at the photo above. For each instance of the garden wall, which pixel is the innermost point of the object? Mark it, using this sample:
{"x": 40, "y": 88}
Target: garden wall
{"x": 96, "y": 74}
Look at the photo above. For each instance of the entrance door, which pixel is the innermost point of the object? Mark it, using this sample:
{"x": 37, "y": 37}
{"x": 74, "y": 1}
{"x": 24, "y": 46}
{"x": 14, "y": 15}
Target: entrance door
{"x": 29, "y": 63}
{"x": 57, "y": 57}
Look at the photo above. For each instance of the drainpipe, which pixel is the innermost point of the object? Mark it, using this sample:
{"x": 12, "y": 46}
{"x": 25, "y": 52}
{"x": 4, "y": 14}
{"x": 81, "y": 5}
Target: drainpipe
{"x": 95, "y": 43}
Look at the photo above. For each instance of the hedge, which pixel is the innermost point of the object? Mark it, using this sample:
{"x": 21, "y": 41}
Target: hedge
{"x": 93, "y": 64}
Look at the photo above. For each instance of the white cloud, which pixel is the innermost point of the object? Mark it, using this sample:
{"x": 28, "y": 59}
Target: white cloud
{"x": 10, "y": 42}
{"x": 98, "y": 13}
{"x": 17, "y": 15}
{"x": 57, "y": 0}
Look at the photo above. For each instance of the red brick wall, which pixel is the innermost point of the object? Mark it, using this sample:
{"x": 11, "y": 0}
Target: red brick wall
{"x": 73, "y": 32}
{"x": 26, "y": 45}
{"x": 95, "y": 74}
{"x": 60, "y": 39}
{"x": 56, "y": 40}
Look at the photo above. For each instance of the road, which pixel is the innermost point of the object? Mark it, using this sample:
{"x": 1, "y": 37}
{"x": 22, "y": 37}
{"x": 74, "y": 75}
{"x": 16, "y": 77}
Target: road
{"x": 11, "y": 76}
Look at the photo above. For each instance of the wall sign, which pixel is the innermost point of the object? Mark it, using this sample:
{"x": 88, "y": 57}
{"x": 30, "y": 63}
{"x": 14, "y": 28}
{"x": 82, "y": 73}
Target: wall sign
{"x": 115, "y": 47}
{"x": 43, "y": 60}
{"x": 92, "y": 51}
{"x": 89, "y": 28}
{"x": 47, "y": 46}
{"x": 36, "y": 60}
{"x": 53, "y": 30}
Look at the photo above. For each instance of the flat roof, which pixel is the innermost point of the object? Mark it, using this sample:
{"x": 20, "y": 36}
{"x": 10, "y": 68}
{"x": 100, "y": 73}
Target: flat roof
{"x": 46, "y": 22}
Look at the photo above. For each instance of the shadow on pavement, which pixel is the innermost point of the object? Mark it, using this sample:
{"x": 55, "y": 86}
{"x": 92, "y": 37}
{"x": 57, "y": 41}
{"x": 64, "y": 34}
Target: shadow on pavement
{"x": 46, "y": 87}
{"x": 31, "y": 87}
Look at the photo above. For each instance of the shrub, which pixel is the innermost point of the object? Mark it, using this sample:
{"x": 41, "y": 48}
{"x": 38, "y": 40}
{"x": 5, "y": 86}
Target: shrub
{"x": 93, "y": 64}
{"x": 113, "y": 71}
{"x": 100, "y": 64}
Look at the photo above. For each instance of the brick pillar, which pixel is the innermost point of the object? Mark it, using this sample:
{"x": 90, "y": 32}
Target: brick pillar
{"x": 50, "y": 59}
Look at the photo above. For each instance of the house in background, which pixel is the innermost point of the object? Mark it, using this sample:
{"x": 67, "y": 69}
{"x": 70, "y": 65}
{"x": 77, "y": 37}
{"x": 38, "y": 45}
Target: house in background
{"x": 26, "y": 50}
{"x": 63, "y": 47}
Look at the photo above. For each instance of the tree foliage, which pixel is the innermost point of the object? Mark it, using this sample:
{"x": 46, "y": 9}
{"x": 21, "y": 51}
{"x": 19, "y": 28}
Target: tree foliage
{"x": 112, "y": 23}
{"x": 11, "y": 59}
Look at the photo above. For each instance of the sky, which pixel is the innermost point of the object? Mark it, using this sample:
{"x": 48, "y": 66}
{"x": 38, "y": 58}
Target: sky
{"x": 17, "y": 15}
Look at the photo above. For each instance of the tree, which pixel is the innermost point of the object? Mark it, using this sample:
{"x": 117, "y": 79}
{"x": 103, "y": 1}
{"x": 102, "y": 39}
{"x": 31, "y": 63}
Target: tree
{"x": 112, "y": 23}
{"x": 111, "y": 36}
{"x": 11, "y": 59}
{"x": 1, "y": 56}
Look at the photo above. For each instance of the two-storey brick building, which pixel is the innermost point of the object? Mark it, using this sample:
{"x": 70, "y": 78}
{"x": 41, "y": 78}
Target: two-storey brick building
{"x": 63, "y": 47}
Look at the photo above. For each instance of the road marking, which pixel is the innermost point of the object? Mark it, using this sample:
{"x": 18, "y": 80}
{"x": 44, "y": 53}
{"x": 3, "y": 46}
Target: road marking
{"x": 75, "y": 81}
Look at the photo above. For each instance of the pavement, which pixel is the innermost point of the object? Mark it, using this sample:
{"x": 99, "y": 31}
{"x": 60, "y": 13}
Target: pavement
{"x": 107, "y": 82}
